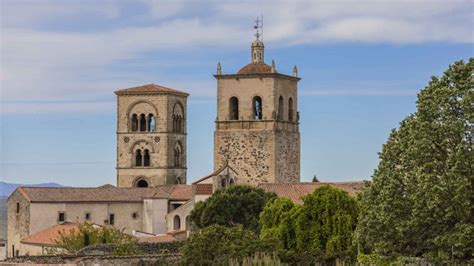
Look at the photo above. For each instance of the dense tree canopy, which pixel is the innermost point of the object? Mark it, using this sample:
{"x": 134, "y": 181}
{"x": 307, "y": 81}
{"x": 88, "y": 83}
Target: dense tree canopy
{"x": 236, "y": 205}
{"x": 320, "y": 229}
{"x": 420, "y": 202}
{"x": 216, "y": 245}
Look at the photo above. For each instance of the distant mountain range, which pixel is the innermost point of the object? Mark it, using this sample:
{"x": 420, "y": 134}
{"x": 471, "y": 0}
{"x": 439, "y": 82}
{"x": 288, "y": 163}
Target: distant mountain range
{"x": 7, "y": 188}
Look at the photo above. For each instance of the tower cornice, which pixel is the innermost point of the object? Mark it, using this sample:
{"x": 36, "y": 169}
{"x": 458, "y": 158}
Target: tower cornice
{"x": 257, "y": 75}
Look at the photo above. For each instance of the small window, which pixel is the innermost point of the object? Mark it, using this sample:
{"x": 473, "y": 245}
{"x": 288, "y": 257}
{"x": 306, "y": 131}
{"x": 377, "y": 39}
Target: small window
{"x": 17, "y": 252}
{"x": 87, "y": 216}
{"x": 61, "y": 217}
{"x": 17, "y": 207}
{"x": 111, "y": 219}
{"x": 135, "y": 215}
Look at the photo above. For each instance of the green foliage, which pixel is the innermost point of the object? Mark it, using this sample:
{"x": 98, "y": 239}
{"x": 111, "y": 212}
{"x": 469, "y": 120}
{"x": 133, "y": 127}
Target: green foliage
{"x": 236, "y": 205}
{"x": 87, "y": 234}
{"x": 420, "y": 202}
{"x": 218, "y": 244}
{"x": 315, "y": 179}
{"x": 260, "y": 259}
{"x": 319, "y": 230}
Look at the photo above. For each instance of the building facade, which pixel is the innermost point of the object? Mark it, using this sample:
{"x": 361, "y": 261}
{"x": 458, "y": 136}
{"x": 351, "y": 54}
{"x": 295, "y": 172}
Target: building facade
{"x": 151, "y": 136}
{"x": 257, "y": 125}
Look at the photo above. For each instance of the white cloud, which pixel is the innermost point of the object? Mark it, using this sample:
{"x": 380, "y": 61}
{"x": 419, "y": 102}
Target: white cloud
{"x": 44, "y": 58}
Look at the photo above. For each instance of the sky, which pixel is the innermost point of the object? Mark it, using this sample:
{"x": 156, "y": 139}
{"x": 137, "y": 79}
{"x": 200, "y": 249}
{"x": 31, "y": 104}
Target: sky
{"x": 362, "y": 64}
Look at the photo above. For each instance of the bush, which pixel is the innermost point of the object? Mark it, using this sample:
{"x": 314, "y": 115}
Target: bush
{"x": 218, "y": 244}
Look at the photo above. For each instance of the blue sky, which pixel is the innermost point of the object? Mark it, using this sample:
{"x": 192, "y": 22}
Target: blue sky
{"x": 362, "y": 64}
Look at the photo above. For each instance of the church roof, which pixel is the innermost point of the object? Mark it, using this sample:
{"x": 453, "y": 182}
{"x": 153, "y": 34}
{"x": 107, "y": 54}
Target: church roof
{"x": 255, "y": 68}
{"x": 105, "y": 193}
{"x": 150, "y": 89}
{"x": 296, "y": 191}
{"x": 50, "y": 235}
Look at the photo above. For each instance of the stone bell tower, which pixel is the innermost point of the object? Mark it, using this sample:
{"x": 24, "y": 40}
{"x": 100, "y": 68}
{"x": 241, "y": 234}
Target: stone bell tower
{"x": 257, "y": 125}
{"x": 151, "y": 136}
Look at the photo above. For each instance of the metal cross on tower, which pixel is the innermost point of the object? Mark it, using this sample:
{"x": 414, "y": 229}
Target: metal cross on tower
{"x": 259, "y": 26}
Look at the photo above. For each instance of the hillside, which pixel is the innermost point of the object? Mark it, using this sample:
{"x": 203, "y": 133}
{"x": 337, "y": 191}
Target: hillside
{"x": 5, "y": 190}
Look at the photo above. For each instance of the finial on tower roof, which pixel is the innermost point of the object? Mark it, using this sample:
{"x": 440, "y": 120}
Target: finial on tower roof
{"x": 258, "y": 26}
{"x": 273, "y": 66}
{"x": 295, "y": 71}
{"x": 219, "y": 68}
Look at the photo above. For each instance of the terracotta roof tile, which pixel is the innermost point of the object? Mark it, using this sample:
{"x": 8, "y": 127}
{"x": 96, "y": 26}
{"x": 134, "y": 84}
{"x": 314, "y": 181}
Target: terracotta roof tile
{"x": 255, "y": 68}
{"x": 203, "y": 189}
{"x": 157, "y": 239}
{"x": 105, "y": 193}
{"x": 295, "y": 191}
{"x": 149, "y": 89}
{"x": 48, "y": 236}
{"x": 181, "y": 192}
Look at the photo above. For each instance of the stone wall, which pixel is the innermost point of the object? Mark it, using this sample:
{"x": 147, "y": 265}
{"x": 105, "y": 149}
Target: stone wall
{"x": 18, "y": 223}
{"x": 249, "y": 153}
{"x": 288, "y": 157}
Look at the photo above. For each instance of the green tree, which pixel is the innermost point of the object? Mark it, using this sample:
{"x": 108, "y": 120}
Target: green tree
{"x": 216, "y": 245}
{"x": 87, "y": 234}
{"x": 319, "y": 230}
{"x": 236, "y": 205}
{"x": 420, "y": 201}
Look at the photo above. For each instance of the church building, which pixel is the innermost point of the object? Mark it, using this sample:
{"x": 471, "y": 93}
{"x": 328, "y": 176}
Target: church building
{"x": 256, "y": 142}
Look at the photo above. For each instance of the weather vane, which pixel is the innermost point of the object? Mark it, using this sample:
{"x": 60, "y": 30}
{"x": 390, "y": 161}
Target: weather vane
{"x": 259, "y": 26}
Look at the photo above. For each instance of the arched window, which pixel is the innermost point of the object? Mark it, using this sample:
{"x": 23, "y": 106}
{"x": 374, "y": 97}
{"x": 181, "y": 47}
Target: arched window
{"x": 231, "y": 182}
{"x": 142, "y": 122}
{"x": 134, "y": 122}
{"x": 280, "y": 108}
{"x": 257, "y": 108}
{"x": 177, "y": 181}
{"x": 223, "y": 182}
{"x": 141, "y": 183}
{"x": 290, "y": 109}
{"x": 178, "y": 117}
{"x": 138, "y": 158}
{"x": 151, "y": 123}
{"x": 233, "y": 108}
{"x": 146, "y": 158}
{"x": 177, "y": 155}
{"x": 176, "y": 223}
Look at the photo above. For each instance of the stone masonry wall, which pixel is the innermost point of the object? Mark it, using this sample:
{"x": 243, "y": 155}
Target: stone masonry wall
{"x": 18, "y": 223}
{"x": 288, "y": 157}
{"x": 250, "y": 154}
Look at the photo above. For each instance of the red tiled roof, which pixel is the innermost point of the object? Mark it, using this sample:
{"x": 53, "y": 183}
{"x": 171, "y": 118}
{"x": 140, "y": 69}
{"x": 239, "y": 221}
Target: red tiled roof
{"x": 50, "y": 235}
{"x": 150, "y": 89}
{"x": 295, "y": 191}
{"x": 255, "y": 68}
{"x": 157, "y": 239}
{"x": 203, "y": 189}
{"x": 181, "y": 192}
{"x": 105, "y": 193}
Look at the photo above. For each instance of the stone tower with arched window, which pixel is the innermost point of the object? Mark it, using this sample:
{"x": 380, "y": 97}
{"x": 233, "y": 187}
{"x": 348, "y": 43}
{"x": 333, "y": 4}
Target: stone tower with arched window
{"x": 257, "y": 125}
{"x": 151, "y": 136}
